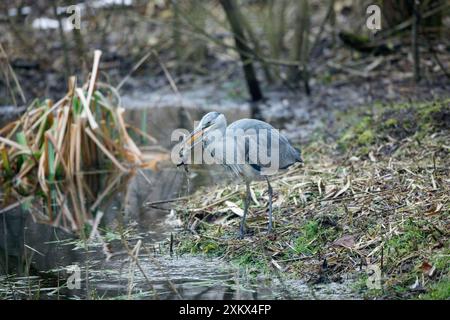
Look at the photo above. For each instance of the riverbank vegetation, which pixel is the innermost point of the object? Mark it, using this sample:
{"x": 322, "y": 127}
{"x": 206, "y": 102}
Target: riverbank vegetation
{"x": 376, "y": 196}
{"x": 54, "y": 145}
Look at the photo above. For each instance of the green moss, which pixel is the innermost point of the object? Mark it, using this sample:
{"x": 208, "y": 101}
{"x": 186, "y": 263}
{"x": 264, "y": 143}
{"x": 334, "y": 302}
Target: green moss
{"x": 252, "y": 260}
{"x": 438, "y": 291}
{"x": 435, "y": 115}
{"x": 391, "y": 122}
{"x": 304, "y": 244}
{"x": 401, "y": 289}
{"x": 210, "y": 247}
{"x": 363, "y": 151}
{"x": 364, "y": 123}
{"x": 409, "y": 240}
{"x": 427, "y": 110}
{"x": 396, "y": 121}
{"x": 201, "y": 246}
{"x": 366, "y": 138}
{"x": 313, "y": 236}
{"x": 358, "y": 135}
{"x": 327, "y": 78}
{"x": 441, "y": 261}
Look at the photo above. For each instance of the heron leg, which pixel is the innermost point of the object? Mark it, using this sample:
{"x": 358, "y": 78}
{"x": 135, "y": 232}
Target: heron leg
{"x": 246, "y": 204}
{"x": 270, "y": 205}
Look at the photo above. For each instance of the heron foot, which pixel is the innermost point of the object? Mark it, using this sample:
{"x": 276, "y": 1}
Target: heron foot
{"x": 241, "y": 234}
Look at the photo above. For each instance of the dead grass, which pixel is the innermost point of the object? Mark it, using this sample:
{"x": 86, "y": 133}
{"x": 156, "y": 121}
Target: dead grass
{"x": 52, "y": 146}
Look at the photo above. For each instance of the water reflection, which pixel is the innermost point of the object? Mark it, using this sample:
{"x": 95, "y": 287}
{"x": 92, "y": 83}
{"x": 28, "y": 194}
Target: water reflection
{"x": 45, "y": 250}
{"x": 161, "y": 122}
{"x": 40, "y": 253}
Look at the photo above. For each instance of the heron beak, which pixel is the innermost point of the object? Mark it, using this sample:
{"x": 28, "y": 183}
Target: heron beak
{"x": 195, "y": 137}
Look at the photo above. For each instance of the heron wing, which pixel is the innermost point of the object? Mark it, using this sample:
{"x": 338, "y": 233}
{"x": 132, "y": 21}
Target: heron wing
{"x": 264, "y": 135}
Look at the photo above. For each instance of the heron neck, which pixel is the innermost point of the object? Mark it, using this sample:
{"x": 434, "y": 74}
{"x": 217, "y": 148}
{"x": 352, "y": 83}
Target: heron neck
{"x": 213, "y": 136}
{"x": 219, "y": 130}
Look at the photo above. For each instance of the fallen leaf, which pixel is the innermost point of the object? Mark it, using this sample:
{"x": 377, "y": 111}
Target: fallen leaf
{"x": 347, "y": 241}
{"x": 427, "y": 268}
{"x": 345, "y": 188}
{"x": 253, "y": 195}
{"x": 234, "y": 208}
{"x": 435, "y": 209}
{"x": 320, "y": 185}
{"x": 330, "y": 189}
{"x": 276, "y": 265}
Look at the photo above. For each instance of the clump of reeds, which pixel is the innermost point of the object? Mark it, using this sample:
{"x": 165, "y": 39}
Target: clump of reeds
{"x": 84, "y": 131}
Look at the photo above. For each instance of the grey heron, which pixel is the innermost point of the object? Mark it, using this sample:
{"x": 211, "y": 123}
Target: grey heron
{"x": 251, "y": 149}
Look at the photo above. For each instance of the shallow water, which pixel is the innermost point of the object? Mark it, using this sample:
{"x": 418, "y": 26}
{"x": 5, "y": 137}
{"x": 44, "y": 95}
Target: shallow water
{"x": 45, "y": 254}
{"x": 36, "y": 258}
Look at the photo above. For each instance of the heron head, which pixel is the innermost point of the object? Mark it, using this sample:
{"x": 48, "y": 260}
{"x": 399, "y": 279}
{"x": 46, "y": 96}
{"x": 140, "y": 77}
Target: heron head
{"x": 210, "y": 122}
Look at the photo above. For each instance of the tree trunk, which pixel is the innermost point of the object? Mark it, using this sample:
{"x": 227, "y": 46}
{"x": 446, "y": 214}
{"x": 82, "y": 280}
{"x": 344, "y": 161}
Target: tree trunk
{"x": 300, "y": 49}
{"x": 396, "y": 12}
{"x": 414, "y": 40}
{"x": 176, "y": 32}
{"x": 231, "y": 11}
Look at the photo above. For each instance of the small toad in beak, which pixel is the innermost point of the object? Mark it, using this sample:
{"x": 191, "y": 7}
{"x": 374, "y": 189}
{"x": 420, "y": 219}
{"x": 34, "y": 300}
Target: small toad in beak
{"x": 190, "y": 142}
{"x": 194, "y": 136}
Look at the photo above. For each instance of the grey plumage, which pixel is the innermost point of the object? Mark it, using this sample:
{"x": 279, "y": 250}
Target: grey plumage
{"x": 257, "y": 149}
{"x": 287, "y": 154}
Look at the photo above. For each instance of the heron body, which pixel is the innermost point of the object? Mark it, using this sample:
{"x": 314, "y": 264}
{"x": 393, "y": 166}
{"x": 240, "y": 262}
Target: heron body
{"x": 286, "y": 154}
{"x": 251, "y": 149}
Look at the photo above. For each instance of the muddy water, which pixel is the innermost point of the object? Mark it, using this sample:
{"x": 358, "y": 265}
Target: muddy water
{"x": 37, "y": 260}
{"x": 37, "y": 257}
